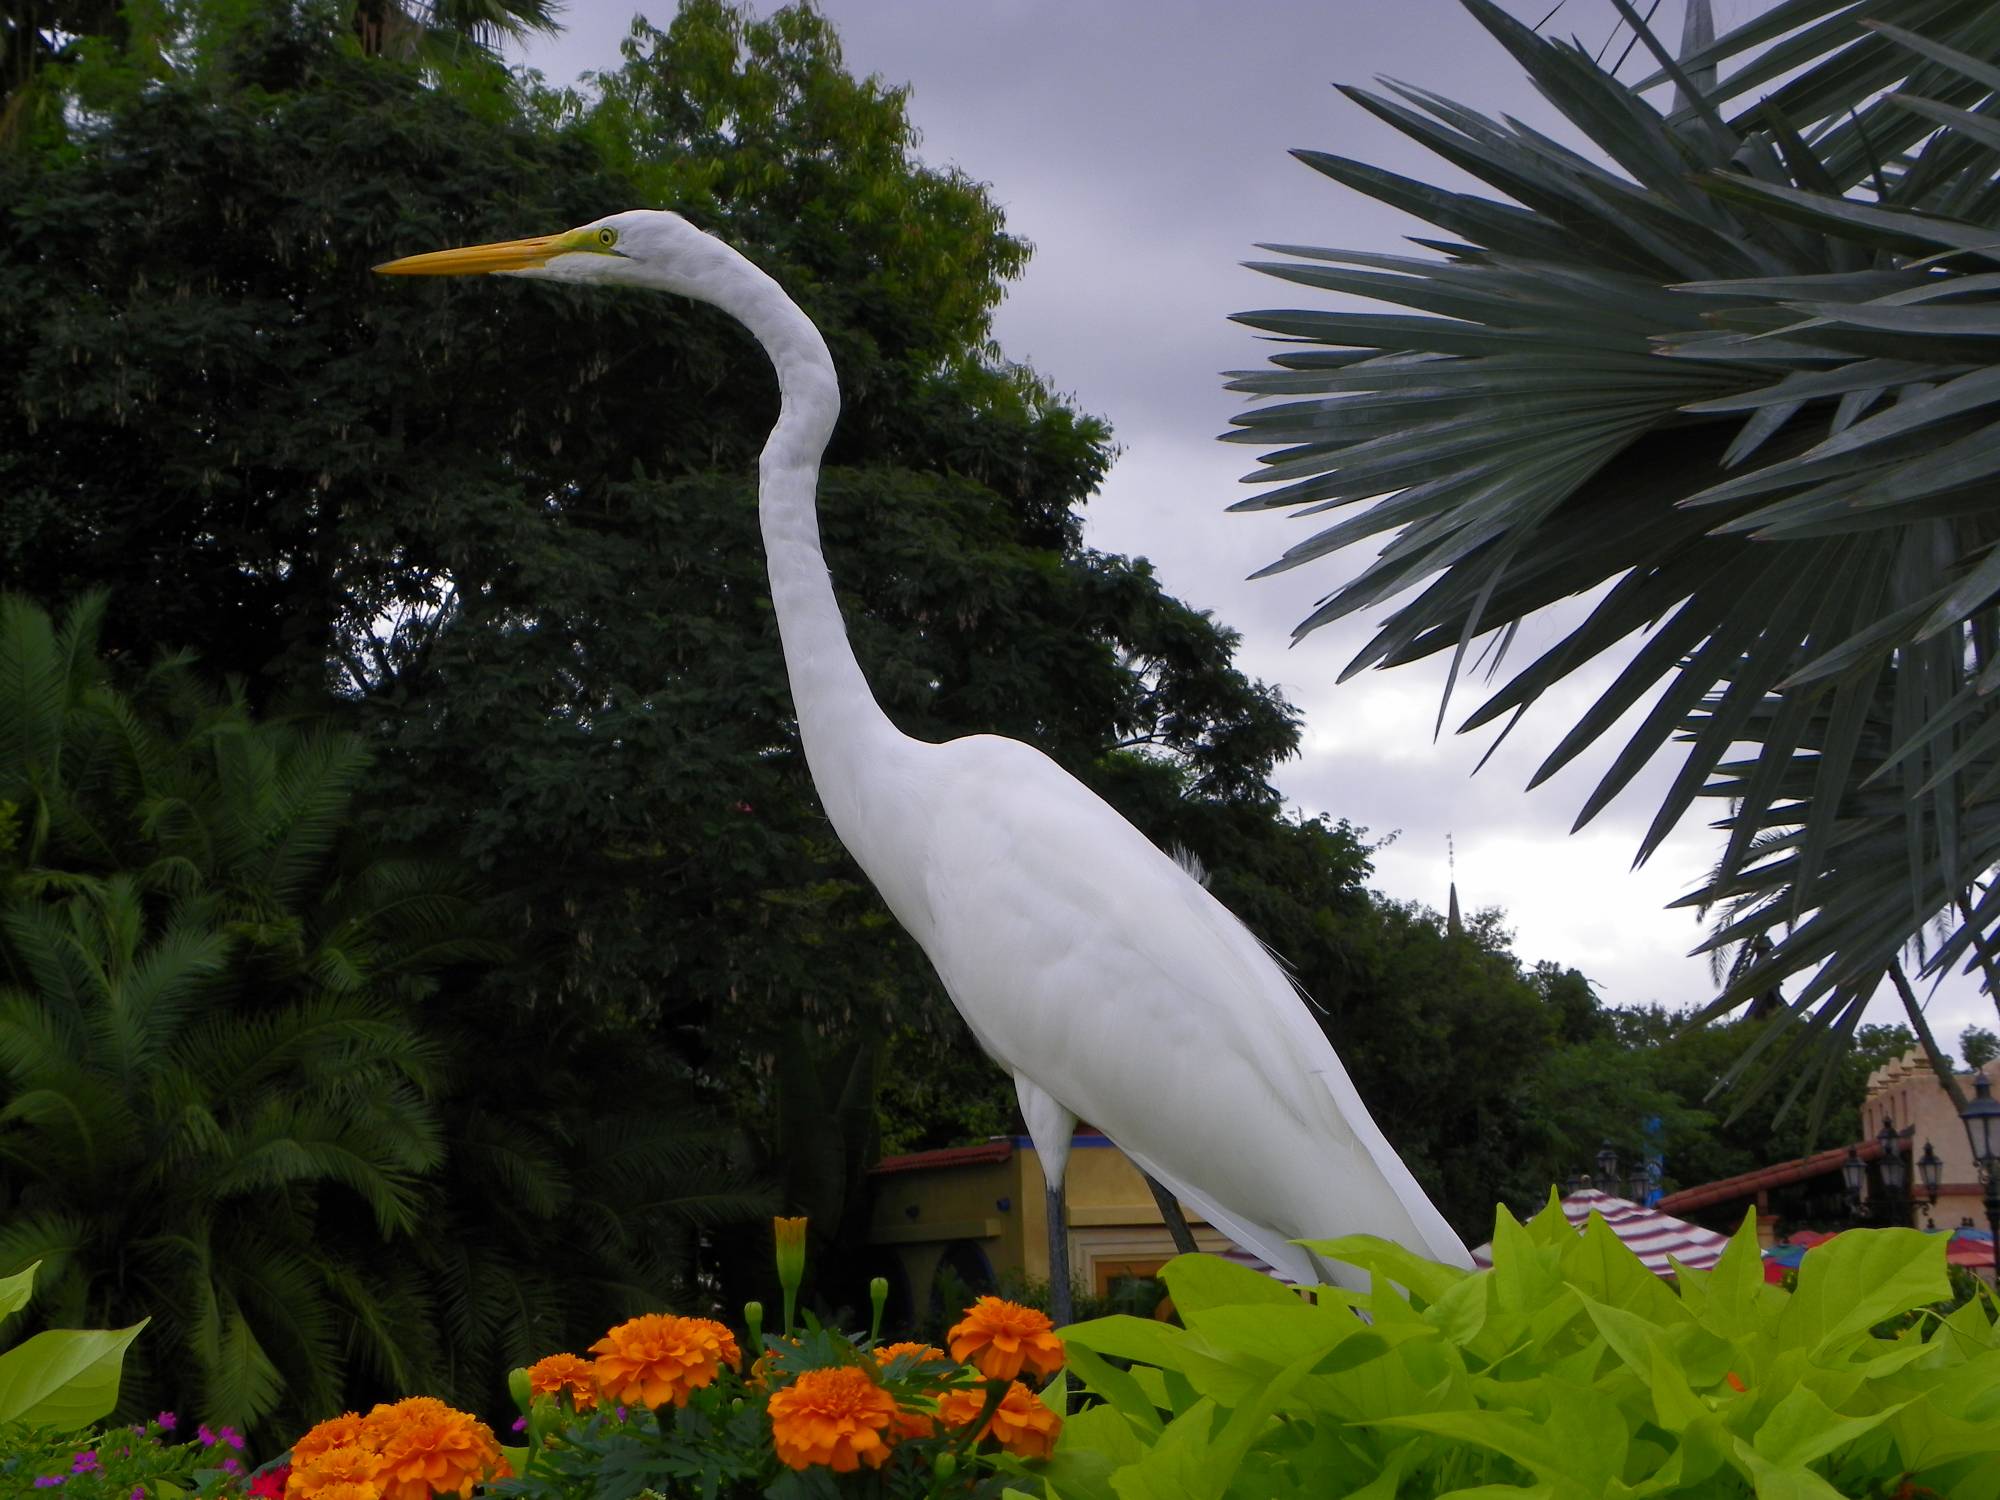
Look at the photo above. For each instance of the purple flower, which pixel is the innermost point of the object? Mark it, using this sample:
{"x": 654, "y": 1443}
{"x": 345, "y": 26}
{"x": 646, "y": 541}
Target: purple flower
{"x": 138, "y": 1492}
{"x": 232, "y": 1466}
{"x": 232, "y": 1437}
{"x": 84, "y": 1462}
{"x": 49, "y": 1481}
{"x": 520, "y": 1424}
{"x": 206, "y": 1434}
{"x": 621, "y": 1413}
{"x": 166, "y": 1421}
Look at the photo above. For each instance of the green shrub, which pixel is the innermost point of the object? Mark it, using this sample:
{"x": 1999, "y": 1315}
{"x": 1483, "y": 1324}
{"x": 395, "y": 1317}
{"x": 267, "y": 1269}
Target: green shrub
{"x": 1568, "y": 1370}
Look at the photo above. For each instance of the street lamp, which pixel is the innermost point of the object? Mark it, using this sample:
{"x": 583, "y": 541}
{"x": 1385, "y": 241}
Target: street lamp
{"x": 1930, "y": 1168}
{"x": 1607, "y": 1166}
{"x": 1895, "y": 1171}
{"x": 1854, "y": 1172}
{"x": 1982, "y": 1130}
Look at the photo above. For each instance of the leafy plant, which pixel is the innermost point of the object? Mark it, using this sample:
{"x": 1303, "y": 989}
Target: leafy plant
{"x": 669, "y": 1407}
{"x": 62, "y": 1378}
{"x": 112, "y": 1463}
{"x": 238, "y": 1092}
{"x": 1745, "y": 378}
{"x": 1566, "y": 1372}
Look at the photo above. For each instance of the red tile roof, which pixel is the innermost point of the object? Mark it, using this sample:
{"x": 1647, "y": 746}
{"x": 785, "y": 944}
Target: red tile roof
{"x": 949, "y": 1156}
{"x": 1750, "y": 1184}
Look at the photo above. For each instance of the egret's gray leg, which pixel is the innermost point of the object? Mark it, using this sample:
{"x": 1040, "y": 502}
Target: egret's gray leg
{"x": 1050, "y": 1127}
{"x": 1170, "y": 1210}
{"x": 1062, "y": 1308}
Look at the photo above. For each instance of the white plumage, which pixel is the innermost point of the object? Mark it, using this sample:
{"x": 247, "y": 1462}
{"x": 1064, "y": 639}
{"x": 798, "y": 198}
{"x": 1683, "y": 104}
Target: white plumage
{"x": 1088, "y": 964}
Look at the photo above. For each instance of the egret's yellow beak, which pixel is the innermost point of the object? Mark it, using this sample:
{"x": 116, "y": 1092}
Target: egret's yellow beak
{"x": 481, "y": 260}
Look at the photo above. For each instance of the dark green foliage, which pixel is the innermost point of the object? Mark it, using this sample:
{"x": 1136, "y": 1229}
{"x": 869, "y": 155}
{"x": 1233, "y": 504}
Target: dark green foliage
{"x": 201, "y": 1043}
{"x": 248, "y": 1087}
{"x": 1745, "y": 379}
{"x": 506, "y": 534}
{"x": 1650, "y": 1063}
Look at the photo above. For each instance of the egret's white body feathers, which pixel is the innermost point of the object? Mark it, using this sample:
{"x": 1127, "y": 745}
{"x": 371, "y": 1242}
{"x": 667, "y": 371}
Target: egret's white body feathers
{"x": 1089, "y": 964}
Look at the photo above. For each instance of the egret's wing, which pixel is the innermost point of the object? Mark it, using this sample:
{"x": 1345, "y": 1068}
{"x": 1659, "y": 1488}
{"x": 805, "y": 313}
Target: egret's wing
{"x": 1084, "y": 959}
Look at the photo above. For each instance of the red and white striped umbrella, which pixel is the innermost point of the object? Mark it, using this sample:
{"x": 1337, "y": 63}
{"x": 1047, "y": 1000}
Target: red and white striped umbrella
{"x": 1646, "y": 1232}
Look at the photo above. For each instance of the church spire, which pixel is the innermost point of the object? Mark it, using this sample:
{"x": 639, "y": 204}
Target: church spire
{"x": 1453, "y": 926}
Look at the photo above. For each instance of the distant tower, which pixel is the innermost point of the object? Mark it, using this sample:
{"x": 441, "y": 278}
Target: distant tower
{"x": 1453, "y": 926}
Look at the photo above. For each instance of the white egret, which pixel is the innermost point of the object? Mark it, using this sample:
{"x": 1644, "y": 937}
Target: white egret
{"x": 1088, "y": 964}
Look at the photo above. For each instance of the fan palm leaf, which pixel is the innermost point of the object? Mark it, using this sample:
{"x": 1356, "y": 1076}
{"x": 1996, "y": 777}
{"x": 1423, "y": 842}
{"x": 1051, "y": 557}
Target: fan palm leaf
{"x": 1745, "y": 379}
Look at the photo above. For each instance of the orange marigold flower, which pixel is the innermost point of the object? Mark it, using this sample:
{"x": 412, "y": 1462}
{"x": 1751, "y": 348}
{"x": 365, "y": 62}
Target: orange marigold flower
{"x": 999, "y": 1337}
{"x": 1023, "y": 1423}
{"x": 886, "y": 1353}
{"x": 334, "y": 1472}
{"x": 429, "y": 1449}
{"x": 343, "y": 1431}
{"x": 911, "y": 1422}
{"x": 559, "y": 1374}
{"x": 832, "y": 1417}
{"x": 656, "y": 1358}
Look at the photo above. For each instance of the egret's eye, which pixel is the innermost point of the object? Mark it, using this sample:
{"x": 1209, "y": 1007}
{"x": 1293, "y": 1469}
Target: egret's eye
{"x": 607, "y": 237}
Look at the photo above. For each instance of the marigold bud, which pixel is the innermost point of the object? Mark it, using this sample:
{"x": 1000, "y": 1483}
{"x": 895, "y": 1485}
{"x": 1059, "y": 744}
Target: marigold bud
{"x": 878, "y": 1298}
{"x": 790, "y": 1235}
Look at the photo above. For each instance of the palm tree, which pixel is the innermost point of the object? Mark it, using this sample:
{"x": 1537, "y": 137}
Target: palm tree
{"x": 247, "y": 1086}
{"x": 165, "y": 1151}
{"x": 1744, "y": 375}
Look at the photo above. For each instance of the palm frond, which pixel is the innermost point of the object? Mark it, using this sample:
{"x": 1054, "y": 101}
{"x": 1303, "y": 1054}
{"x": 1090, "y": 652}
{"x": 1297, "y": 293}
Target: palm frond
{"x": 1748, "y": 380}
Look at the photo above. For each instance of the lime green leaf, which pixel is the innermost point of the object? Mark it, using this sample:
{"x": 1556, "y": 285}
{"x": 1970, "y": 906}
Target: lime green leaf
{"x": 1855, "y": 1281}
{"x": 1099, "y": 1428}
{"x": 1427, "y": 1279}
{"x": 1801, "y": 1428}
{"x": 1121, "y": 1393}
{"x": 1198, "y": 1282}
{"x": 1603, "y": 1266}
{"x": 1782, "y": 1481}
{"x": 64, "y": 1378}
{"x": 1176, "y": 1467}
{"x": 15, "y": 1290}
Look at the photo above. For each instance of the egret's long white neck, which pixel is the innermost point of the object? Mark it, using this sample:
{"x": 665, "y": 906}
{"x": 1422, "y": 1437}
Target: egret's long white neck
{"x": 843, "y": 728}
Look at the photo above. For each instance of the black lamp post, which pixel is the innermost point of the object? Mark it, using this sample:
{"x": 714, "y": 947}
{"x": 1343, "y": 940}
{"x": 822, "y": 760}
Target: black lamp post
{"x": 1854, "y": 1173}
{"x": 1894, "y": 1170}
{"x": 1607, "y": 1166}
{"x": 1930, "y": 1170}
{"x": 1982, "y": 1130}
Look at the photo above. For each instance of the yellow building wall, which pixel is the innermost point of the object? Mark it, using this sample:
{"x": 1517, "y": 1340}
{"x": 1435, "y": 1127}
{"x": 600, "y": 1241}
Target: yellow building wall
{"x": 999, "y": 1207}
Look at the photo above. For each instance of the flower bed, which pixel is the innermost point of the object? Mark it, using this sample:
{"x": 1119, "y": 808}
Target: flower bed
{"x": 663, "y": 1403}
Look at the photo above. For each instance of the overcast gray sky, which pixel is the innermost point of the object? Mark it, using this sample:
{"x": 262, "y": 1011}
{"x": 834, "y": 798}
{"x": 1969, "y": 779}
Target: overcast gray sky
{"x": 1141, "y": 146}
